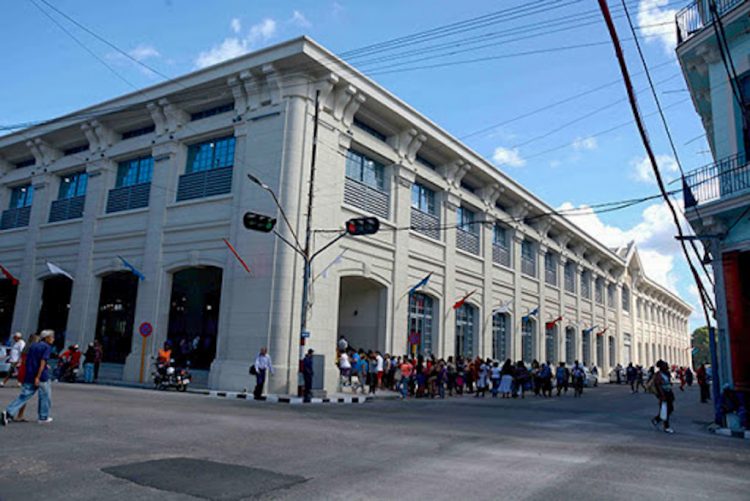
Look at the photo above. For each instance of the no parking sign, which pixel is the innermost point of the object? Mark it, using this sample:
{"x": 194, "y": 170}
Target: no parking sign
{"x": 146, "y": 329}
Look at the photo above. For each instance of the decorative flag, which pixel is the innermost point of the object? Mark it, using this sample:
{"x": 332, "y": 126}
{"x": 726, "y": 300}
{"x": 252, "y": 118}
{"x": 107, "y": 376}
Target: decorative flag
{"x": 503, "y": 308}
{"x": 234, "y": 251}
{"x": 590, "y": 329}
{"x": 461, "y": 301}
{"x": 420, "y": 284}
{"x": 601, "y": 333}
{"x": 56, "y": 270}
{"x": 6, "y": 273}
{"x": 132, "y": 268}
{"x": 333, "y": 263}
{"x": 549, "y": 325}
{"x": 532, "y": 313}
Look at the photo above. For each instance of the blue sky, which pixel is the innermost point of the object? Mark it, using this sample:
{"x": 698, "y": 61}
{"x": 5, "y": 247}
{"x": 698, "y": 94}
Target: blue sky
{"x": 52, "y": 75}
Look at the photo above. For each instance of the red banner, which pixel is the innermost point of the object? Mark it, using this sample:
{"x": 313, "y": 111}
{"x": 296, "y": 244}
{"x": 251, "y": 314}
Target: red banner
{"x": 551, "y": 323}
{"x": 7, "y": 274}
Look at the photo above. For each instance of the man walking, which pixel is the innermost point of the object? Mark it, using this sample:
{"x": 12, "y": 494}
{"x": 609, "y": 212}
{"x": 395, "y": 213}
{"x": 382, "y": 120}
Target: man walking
{"x": 35, "y": 379}
{"x": 262, "y": 364}
{"x": 15, "y": 356}
{"x": 663, "y": 387}
{"x": 702, "y": 376}
{"x": 307, "y": 373}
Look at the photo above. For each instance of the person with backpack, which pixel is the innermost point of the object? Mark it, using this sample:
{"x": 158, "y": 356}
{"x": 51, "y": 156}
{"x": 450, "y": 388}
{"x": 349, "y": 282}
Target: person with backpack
{"x": 662, "y": 384}
{"x": 545, "y": 378}
{"x": 578, "y": 379}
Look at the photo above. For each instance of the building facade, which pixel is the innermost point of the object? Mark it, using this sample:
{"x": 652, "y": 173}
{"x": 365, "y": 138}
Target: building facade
{"x": 714, "y": 52}
{"x": 155, "y": 180}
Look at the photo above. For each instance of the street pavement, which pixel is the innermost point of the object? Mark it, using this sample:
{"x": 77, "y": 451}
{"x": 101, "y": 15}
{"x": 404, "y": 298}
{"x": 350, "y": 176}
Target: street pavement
{"x": 123, "y": 443}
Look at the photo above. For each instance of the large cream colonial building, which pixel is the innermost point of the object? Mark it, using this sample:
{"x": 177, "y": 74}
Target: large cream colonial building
{"x": 157, "y": 179}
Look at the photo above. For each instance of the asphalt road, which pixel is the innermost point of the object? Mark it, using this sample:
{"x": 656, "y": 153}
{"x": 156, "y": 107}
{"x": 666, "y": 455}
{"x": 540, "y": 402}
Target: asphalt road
{"x": 118, "y": 443}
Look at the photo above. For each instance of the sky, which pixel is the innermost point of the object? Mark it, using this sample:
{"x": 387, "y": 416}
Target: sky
{"x": 506, "y": 88}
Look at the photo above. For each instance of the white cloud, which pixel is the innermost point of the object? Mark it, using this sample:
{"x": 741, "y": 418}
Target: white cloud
{"x": 299, "y": 19}
{"x": 585, "y": 143}
{"x": 508, "y": 156}
{"x": 236, "y": 46}
{"x": 142, "y": 52}
{"x": 653, "y": 234}
{"x": 643, "y": 172}
{"x": 657, "y": 23}
{"x": 236, "y": 25}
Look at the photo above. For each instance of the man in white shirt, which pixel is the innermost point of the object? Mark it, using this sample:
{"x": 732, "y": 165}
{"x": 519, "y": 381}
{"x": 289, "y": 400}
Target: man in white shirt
{"x": 15, "y": 356}
{"x": 379, "y": 368}
{"x": 262, "y": 364}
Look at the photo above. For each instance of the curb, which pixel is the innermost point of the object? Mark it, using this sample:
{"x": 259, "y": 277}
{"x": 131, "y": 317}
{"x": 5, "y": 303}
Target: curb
{"x": 278, "y": 399}
{"x": 726, "y": 432}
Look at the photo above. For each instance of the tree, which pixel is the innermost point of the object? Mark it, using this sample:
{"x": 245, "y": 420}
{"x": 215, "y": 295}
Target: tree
{"x": 699, "y": 342}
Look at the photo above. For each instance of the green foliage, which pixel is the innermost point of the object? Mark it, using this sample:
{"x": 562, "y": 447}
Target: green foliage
{"x": 699, "y": 342}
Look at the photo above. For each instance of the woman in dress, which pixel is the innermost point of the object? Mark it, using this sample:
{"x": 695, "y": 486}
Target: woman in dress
{"x": 506, "y": 379}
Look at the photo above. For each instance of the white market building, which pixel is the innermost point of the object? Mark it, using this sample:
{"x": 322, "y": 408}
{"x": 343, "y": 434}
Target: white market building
{"x": 158, "y": 178}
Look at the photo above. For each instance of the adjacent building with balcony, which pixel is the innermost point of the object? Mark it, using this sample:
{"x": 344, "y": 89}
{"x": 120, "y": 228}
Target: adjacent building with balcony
{"x": 714, "y": 52}
{"x": 157, "y": 179}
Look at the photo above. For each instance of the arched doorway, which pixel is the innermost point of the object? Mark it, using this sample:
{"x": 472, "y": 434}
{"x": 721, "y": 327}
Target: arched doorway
{"x": 7, "y": 304}
{"x": 528, "y": 328}
{"x": 570, "y": 345}
{"x": 53, "y": 314}
{"x": 114, "y": 321}
{"x": 362, "y": 313}
{"x": 500, "y": 336}
{"x": 550, "y": 344}
{"x": 194, "y": 315}
{"x": 465, "y": 328}
{"x": 586, "y": 345}
{"x": 421, "y": 324}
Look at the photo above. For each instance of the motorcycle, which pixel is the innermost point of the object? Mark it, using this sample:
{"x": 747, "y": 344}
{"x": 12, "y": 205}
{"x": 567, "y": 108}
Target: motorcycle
{"x": 168, "y": 376}
{"x": 66, "y": 372}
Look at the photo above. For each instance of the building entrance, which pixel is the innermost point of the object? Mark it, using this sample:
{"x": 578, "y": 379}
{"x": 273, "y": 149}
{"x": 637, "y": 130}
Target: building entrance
{"x": 114, "y": 322}
{"x": 53, "y": 313}
{"x": 7, "y": 306}
{"x": 362, "y": 313}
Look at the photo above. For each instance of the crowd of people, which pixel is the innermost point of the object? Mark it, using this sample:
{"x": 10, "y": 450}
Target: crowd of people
{"x": 430, "y": 377}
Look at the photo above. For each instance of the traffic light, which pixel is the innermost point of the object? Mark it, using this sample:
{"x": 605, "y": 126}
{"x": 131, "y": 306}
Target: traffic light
{"x": 258, "y": 222}
{"x": 362, "y": 226}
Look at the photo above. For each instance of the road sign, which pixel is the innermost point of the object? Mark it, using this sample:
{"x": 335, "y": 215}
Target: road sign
{"x": 146, "y": 329}
{"x": 305, "y": 334}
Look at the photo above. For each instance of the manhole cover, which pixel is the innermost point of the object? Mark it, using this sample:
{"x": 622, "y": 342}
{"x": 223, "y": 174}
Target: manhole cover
{"x": 205, "y": 479}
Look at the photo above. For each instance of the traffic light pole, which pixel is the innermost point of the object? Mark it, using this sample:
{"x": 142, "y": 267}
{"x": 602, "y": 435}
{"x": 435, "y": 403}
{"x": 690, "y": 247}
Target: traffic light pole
{"x": 306, "y": 253}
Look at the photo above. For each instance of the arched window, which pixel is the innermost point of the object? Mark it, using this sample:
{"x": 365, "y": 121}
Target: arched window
{"x": 527, "y": 339}
{"x": 420, "y": 323}
{"x": 465, "y": 320}
{"x": 550, "y": 344}
{"x": 500, "y": 336}
{"x": 570, "y": 345}
{"x": 625, "y": 298}
{"x": 586, "y": 345}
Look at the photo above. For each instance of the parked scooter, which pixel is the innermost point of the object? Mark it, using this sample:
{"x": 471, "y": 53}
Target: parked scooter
{"x": 166, "y": 375}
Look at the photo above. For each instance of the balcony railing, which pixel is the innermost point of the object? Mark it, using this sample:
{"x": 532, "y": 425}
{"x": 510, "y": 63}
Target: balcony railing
{"x": 205, "y": 183}
{"x": 367, "y": 198}
{"x": 15, "y": 218}
{"x": 467, "y": 241}
{"x": 128, "y": 197}
{"x": 501, "y": 254}
{"x": 425, "y": 223}
{"x": 67, "y": 208}
{"x": 721, "y": 179}
{"x": 697, "y": 16}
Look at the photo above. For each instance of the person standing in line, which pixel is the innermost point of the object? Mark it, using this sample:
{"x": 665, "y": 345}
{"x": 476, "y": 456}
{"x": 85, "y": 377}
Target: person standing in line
{"x": 406, "y": 369}
{"x": 562, "y": 376}
{"x": 99, "y": 355}
{"x": 545, "y": 377}
{"x": 689, "y": 377}
{"x": 263, "y": 365}
{"x": 307, "y": 373}
{"x": 701, "y": 376}
{"x": 495, "y": 377}
{"x": 374, "y": 375}
{"x": 345, "y": 370}
{"x": 379, "y": 368}
{"x": 355, "y": 361}
{"x": 88, "y": 364}
{"x": 482, "y": 378}
{"x": 522, "y": 378}
{"x": 364, "y": 368}
{"x": 14, "y": 359}
{"x": 36, "y": 378}
{"x": 665, "y": 395}
{"x": 506, "y": 379}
